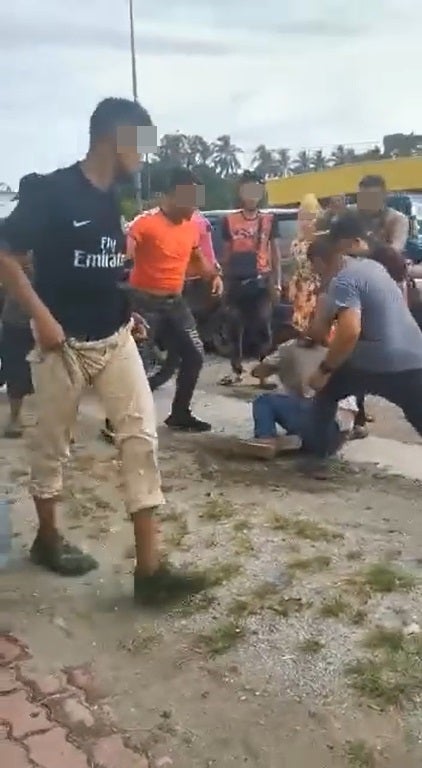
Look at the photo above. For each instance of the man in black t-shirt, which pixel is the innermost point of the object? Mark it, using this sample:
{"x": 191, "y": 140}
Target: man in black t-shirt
{"x": 82, "y": 329}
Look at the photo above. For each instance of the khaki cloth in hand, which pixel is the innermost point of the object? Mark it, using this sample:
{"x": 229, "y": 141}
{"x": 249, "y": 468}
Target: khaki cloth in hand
{"x": 114, "y": 369}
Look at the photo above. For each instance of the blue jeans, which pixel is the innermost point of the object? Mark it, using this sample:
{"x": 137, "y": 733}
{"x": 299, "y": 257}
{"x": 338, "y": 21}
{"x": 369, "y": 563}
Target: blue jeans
{"x": 293, "y": 414}
{"x": 401, "y": 388}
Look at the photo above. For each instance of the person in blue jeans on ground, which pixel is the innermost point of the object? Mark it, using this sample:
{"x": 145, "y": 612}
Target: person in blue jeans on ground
{"x": 291, "y": 410}
{"x": 292, "y": 413}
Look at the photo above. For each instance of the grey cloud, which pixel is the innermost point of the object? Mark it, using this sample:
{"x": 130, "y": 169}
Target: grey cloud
{"x": 21, "y": 36}
{"x": 320, "y": 28}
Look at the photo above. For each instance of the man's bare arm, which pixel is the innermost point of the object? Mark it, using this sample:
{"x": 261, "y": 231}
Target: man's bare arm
{"x": 398, "y": 231}
{"x": 19, "y": 287}
{"x": 198, "y": 261}
{"x": 320, "y": 325}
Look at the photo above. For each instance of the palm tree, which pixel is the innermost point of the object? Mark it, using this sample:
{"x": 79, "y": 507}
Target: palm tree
{"x": 319, "y": 161}
{"x": 264, "y": 162}
{"x": 371, "y": 154}
{"x": 198, "y": 151}
{"x": 303, "y": 162}
{"x": 225, "y": 156}
{"x": 283, "y": 161}
{"x": 342, "y": 155}
{"x": 173, "y": 149}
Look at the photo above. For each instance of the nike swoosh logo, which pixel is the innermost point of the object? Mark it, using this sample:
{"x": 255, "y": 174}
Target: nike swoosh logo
{"x": 81, "y": 223}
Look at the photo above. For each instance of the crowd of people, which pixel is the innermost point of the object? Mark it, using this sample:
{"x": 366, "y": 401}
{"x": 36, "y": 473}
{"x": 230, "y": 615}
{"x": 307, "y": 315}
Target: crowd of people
{"x": 71, "y": 313}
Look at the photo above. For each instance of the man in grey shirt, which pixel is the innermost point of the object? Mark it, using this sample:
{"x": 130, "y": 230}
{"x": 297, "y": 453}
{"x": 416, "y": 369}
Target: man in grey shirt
{"x": 377, "y": 345}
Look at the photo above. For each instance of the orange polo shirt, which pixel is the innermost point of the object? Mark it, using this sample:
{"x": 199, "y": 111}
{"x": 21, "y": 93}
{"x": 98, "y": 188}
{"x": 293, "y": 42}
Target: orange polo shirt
{"x": 161, "y": 251}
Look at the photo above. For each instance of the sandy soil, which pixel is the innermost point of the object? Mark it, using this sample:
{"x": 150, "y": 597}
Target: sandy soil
{"x": 255, "y": 672}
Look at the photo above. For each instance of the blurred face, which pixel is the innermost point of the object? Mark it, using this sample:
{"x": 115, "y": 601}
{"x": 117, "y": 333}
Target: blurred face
{"x": 337, "y": 203}
{"x": 184, "y": 200}
{"x": 306, "y": 222}
{"x": 251, "y": 195}
{"x": 132, "y": 144}
{"x": 371, "y": 199}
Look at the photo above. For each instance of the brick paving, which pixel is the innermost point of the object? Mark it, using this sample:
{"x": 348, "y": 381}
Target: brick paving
{"x": 56, "y": 720}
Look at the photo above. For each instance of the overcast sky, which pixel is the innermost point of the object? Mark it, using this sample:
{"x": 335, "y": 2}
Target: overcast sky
{"x": 311, "y": 74}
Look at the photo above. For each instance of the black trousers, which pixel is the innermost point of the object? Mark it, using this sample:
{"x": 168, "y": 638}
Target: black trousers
{"x": 16, "y": 343}
{"x": 178, "y": 333}
{"x": 249, "y": 305}
{"x": 402, "y": 389}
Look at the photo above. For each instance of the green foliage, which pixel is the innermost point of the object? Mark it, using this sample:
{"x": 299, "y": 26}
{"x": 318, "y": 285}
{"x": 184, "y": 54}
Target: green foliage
{"x": 218, "y": 164}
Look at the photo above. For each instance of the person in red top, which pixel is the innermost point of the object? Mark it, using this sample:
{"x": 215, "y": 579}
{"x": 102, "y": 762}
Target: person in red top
{"x": 251, "y": 269}
{"x": 164, "y": 244}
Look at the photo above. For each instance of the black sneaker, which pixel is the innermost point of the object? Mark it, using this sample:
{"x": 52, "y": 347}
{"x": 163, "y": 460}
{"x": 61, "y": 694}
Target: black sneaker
{"x": 167, "y": 586}
{"x": 187, "y": 423}
{"x": 62, "y": 557}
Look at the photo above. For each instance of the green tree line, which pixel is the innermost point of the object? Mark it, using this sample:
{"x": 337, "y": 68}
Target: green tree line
{"x": 219, "y": 163}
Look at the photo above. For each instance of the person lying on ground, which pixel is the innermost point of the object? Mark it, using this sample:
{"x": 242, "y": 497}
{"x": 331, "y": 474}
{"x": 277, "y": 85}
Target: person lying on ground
{"x": 289, "y": 409}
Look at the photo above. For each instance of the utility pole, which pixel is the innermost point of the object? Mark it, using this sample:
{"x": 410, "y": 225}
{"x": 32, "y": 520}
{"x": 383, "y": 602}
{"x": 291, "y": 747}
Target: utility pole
{"x": 138, "y": 175}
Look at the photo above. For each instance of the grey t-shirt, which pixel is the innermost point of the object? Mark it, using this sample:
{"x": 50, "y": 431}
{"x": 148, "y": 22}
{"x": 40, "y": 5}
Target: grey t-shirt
{"x": 390, "y": 338}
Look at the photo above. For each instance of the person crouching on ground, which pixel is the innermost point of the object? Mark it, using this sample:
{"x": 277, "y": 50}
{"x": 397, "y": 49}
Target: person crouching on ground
{"x": 289, "y": 410}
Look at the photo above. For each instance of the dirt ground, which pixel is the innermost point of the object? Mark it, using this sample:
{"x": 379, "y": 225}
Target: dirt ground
{"x": 306, "y": 578}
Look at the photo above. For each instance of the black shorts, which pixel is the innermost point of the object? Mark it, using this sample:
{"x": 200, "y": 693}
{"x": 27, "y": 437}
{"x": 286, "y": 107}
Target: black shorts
{"x": 16, "y": 343}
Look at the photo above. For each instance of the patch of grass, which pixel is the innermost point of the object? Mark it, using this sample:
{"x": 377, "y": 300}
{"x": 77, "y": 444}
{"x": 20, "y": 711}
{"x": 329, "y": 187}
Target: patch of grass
{"x": 333, "y": 607}
{"x": 354, "y": 554}
{"x": 266, "y": 597}
{"x": 143, "y": 640}
{"x": 383, "y": 638}
{"x": 243, "y": 544}
{"x": 385, "y": 577}
{"x": 217, "y": 509}
{"x": 393, "y": 675}
{"x": 360, "y": 755}
{"x": 311, "y": 645}
{"x": 221, "y": 638}
{"x": 241, "y": 525}
{"x": 196, "y": 604}
{"x": 220, "y": 572}
{"x": 176, "y": 536}
{"x": 358, "y": 617}
{"x": 303, "y": 528}
{"x": 312, "y": 564}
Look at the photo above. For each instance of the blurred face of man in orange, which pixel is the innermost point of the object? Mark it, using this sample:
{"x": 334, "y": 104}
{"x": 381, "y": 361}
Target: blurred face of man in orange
{"x": 180, "y": 202}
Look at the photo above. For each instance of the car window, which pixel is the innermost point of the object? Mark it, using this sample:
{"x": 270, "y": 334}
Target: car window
{"x": 287, "y": 229}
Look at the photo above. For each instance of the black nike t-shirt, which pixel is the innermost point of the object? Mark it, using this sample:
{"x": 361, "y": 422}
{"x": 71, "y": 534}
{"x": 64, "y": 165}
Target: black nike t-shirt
{"x": 74, "y": 232}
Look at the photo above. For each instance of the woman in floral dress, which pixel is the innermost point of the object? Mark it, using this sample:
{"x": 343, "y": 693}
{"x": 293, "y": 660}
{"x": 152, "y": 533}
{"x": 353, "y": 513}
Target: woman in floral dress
{"x": 303, "y": 286}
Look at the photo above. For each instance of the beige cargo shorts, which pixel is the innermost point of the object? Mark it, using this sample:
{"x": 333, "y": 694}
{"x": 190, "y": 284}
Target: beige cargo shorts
{"x": 115, "y": 371}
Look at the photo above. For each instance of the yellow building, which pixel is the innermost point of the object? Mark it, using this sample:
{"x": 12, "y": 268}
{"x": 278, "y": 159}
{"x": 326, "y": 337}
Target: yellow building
{"x": 402, "y": 174}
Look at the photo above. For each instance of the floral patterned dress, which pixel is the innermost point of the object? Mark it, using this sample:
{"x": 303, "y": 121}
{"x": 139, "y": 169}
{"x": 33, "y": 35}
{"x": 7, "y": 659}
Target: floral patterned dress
{"x": 303, "y": 287}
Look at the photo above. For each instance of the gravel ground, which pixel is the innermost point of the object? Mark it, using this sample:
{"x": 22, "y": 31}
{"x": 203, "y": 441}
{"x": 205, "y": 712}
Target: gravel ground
{"x": 226, "y": 679}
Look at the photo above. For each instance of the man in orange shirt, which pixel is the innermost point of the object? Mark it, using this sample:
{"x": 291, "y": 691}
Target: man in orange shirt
{"x": 164, "y": 243}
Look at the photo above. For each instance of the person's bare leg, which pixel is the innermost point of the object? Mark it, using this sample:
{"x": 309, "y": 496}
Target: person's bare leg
{"x": 146, "y": 542}
{"x": 47, "y": 519}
